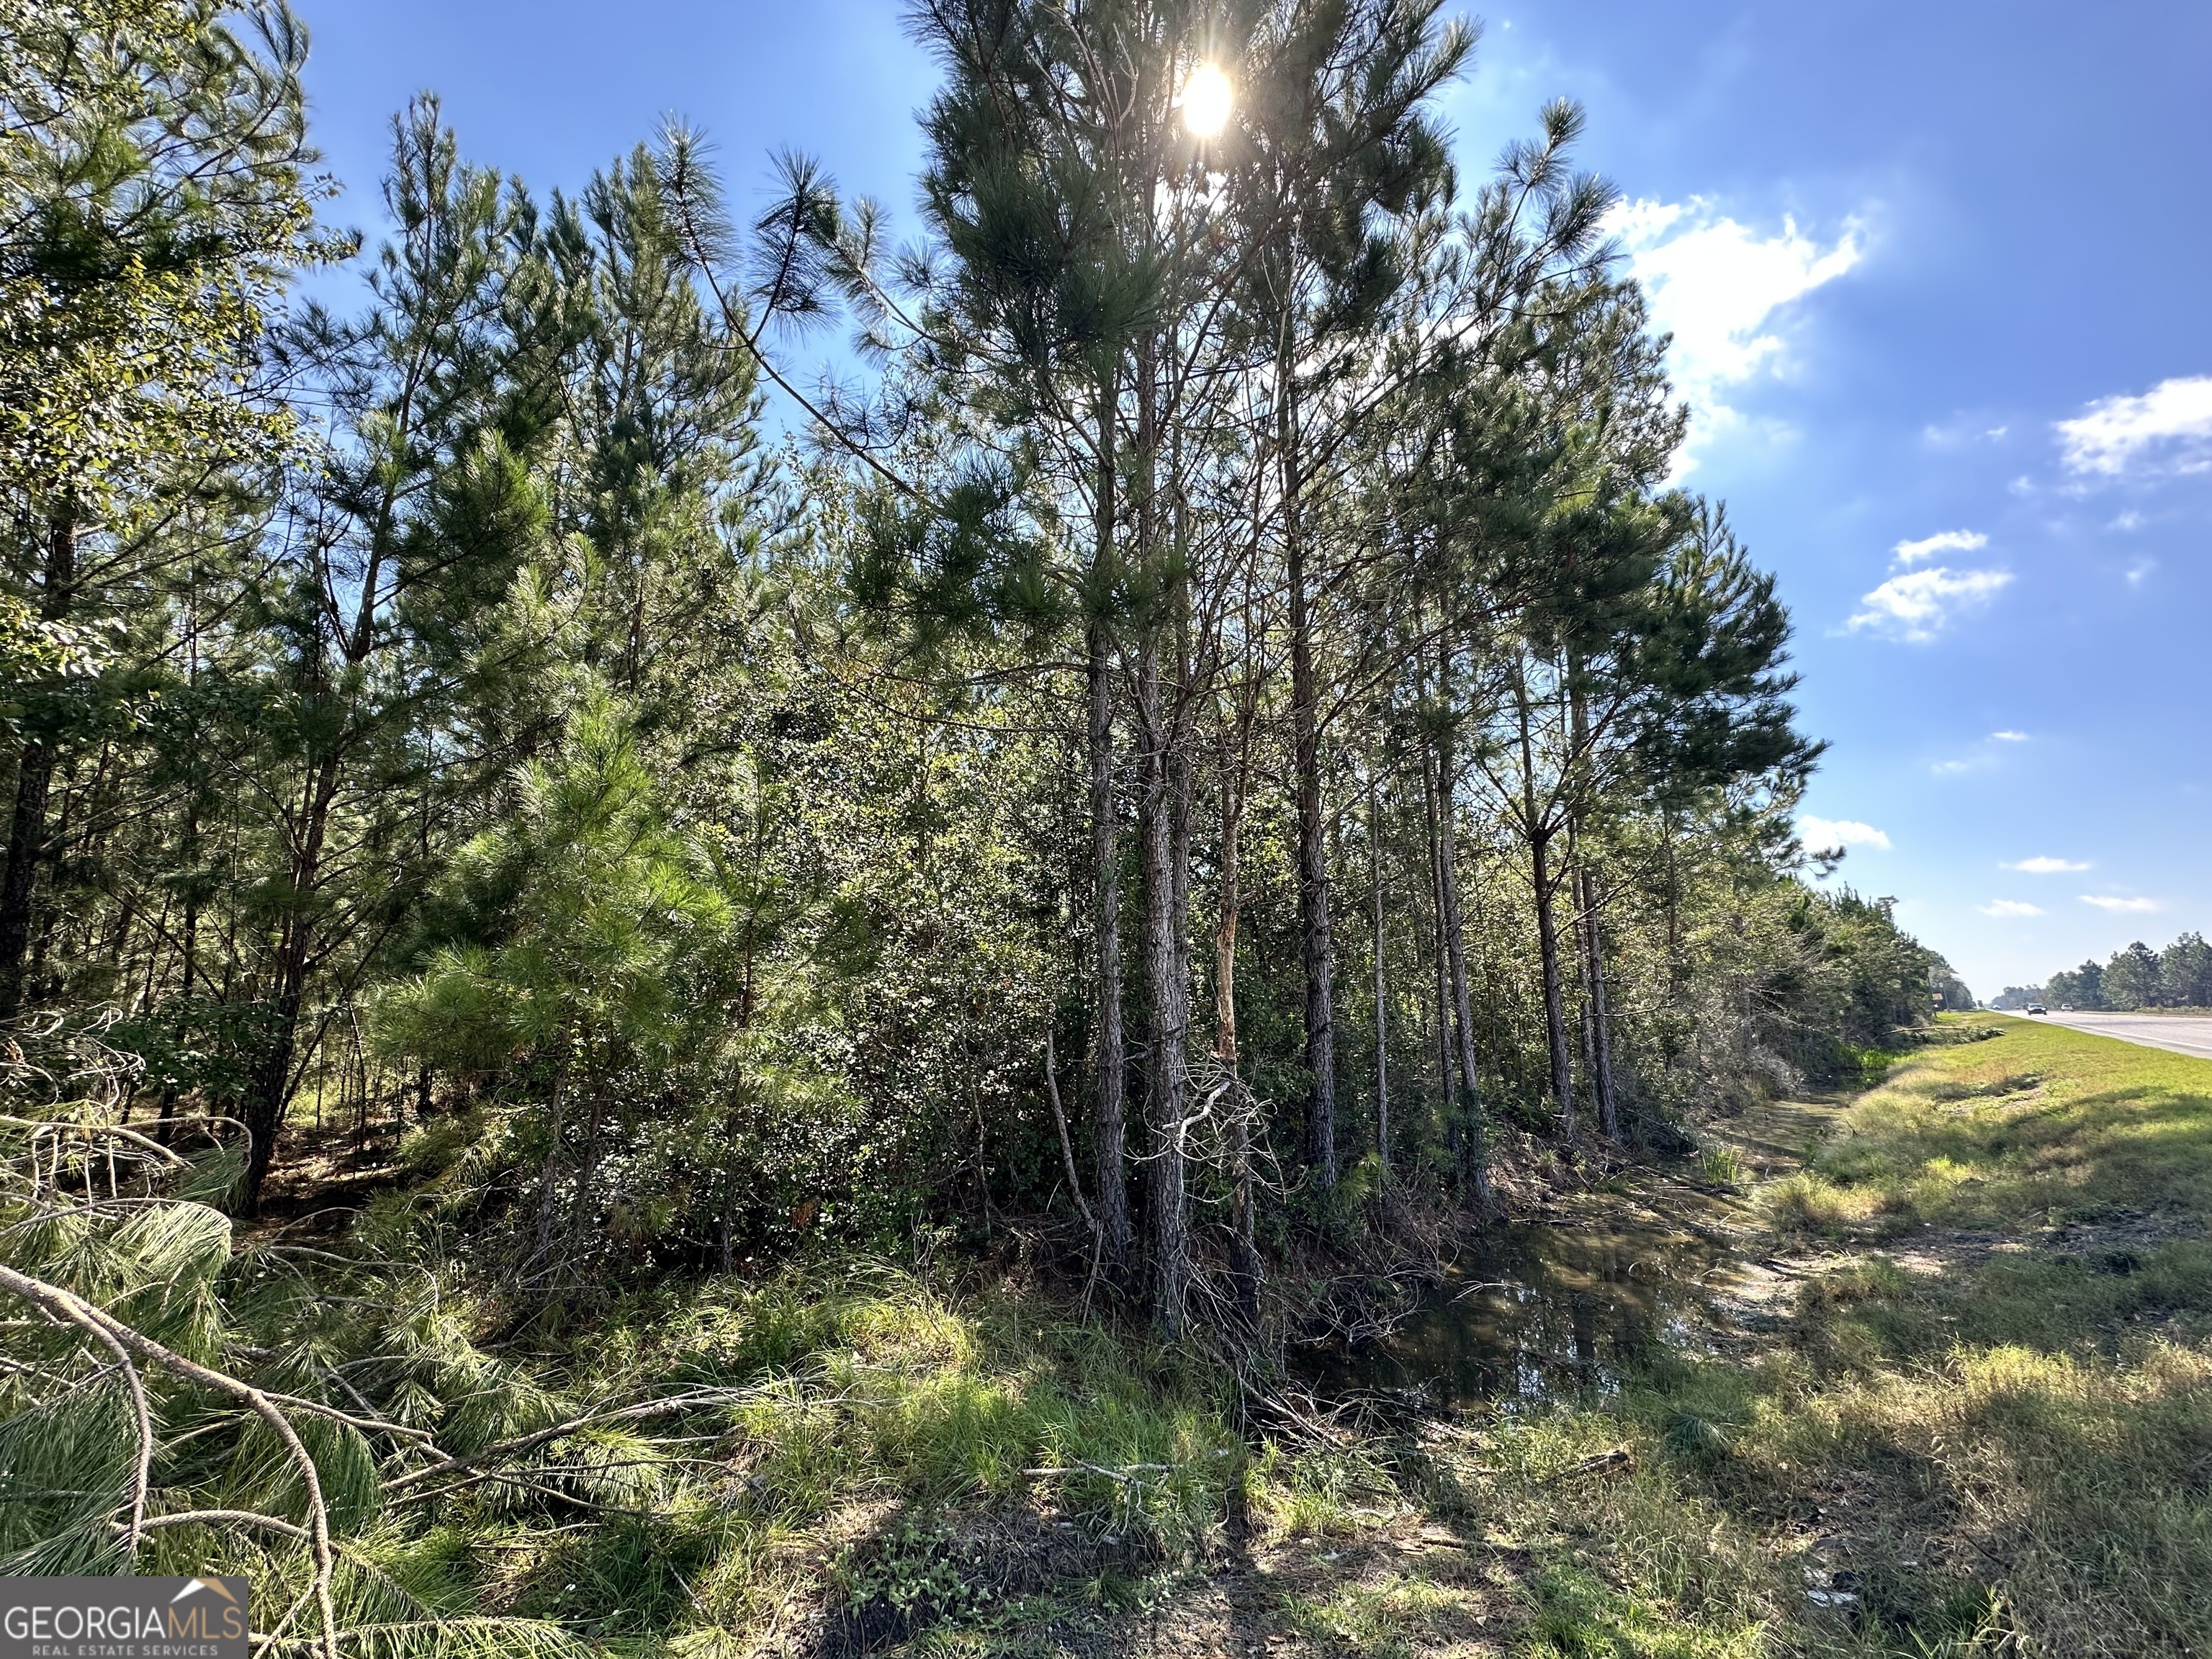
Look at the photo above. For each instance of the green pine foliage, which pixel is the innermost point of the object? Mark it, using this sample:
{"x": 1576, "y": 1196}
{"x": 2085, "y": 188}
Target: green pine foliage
{"x": 519, "y": 879}
{"x": 2179, "y": 976}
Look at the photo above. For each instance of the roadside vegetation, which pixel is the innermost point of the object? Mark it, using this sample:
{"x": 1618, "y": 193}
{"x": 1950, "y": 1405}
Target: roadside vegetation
{"x": 622, "y": 1035}
{"x": 1966, "y": 1408}
{"x": 1956, "y": 1399}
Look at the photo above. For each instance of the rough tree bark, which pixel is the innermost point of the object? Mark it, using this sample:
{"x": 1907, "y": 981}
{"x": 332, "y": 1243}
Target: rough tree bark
{"x": 1600, "y": 1043}
{"x": 1163, "y": 838}
{"x": 1442, "y": 986}
{"x": 34, "y": 773}
{"x": 1316, "y": 955}
{"x": 1244, "y": 1267}
{"x": 1540, "y": 831}
{"x": 1597, "y": 1039}
{"x": 271, "y": 1084}
{"x": 1474, "y": 1143}
{"x": 1109, "y": 1111}
{"x": 1381, "y": 990}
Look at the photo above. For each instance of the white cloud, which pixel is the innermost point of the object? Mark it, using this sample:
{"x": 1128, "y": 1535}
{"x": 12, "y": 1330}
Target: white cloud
{"x": 2045, "y": 866}
{"x": 1716, "y": 286}
{"x": 1840, "y": 832}
{"x": 1917, "y": 606}
{"x": 1985, "y": 755}
{"x": 1965, "y": 429}
{"x": 1943, "y": 540}
{"x": 2134, "y": 906}
{"x": 2172, "y": 423}
{"x": 2009, "y": 908}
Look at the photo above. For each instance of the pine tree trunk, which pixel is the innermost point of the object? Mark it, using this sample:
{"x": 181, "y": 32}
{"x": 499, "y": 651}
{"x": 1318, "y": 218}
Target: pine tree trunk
{"x": 26, "y": 838}
{"x": 1539, "y": 831}
{"x": 271, "y": 1084}
{"x": 1160, "y": 839}
{"x": 1381, "y": 995}
{"x": 35, "y": 773}
{"x": 1225, "y": 923}
{"x": 1474, "y": 1148}
{"x": 1163, "y": 839}
{"x": 1174, "y": 1232}
{"x": 1555, "y": 1013}
{"x": 1110, "y": 1109}
{"x": 1674, "y": 885}
{"x": 1437, "y": 959}
{"x": 1600, "y": 1044}
{"x": 1597, "y": 1037}
{"x": 1244, "y": 1267}
{"x": 1315, "y": 953}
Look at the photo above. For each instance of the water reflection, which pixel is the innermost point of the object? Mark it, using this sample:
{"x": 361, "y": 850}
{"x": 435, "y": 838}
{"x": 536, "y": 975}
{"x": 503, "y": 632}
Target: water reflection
{"x": 1532, "y": 1312}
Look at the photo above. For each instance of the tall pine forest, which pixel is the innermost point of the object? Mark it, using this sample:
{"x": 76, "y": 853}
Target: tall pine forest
{"x": 1154, "y": 729}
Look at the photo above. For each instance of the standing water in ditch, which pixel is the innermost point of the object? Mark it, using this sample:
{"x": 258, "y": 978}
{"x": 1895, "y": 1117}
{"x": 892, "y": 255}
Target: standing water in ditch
{"x": 1536, "y": 1310}
{"x": 1580, "y": 1296}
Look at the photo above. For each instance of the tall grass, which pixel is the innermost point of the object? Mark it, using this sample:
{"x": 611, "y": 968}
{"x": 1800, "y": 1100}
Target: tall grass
{"x": 1982, "y": 1427}
{"x": 879, "y": 1413}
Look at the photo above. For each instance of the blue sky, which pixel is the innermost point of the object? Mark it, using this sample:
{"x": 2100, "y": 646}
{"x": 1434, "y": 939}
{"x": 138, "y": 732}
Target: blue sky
{"x": 1938, "y": 277}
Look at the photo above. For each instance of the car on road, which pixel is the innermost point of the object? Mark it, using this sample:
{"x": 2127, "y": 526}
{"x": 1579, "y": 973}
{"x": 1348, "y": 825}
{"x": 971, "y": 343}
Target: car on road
{"x": 2035, "y": 1008}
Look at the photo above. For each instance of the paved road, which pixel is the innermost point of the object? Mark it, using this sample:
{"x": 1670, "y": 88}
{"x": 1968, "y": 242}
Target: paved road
{"x": 2183, "y": 1033}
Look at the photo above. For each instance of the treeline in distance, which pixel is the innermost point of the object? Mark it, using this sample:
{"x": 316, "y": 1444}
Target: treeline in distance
{"x": 2179, "y": 976}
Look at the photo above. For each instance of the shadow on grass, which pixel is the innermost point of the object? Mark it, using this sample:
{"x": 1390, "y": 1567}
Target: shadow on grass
{"x": 1999, "y": 1433}
{"x": 895, "y": 1463}
{"x": 2038, "y": 1127}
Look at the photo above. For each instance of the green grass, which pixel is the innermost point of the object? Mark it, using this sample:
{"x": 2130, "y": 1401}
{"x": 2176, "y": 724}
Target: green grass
{"x": 879, "y": 1459}
{"x": 1996, "y": 1405}
{"x": 881, "y": 1412}
{"x": 1722, "y": 1166}
{"x": 2039, "y": 1125}
{"x": 1981, "y": 1424}
{"x": 1985, "y": 1427}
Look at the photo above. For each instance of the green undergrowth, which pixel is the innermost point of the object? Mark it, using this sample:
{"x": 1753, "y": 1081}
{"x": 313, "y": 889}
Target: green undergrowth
{"x": 1984, "y": 1425}
{"x": 1972, "y": 1415}
{"x": 879, "y": 1458}
{"x": 1980, "y": 1424}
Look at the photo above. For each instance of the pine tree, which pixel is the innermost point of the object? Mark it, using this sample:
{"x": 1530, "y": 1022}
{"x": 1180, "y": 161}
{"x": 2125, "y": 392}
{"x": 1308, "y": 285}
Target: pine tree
{"x": 153, "y": 202}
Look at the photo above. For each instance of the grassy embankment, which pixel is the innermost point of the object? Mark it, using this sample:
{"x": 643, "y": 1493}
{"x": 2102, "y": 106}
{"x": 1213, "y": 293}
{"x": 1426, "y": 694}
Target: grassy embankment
{"x": 1982, "y": 1424}
{"x": 1975, "y": 1416}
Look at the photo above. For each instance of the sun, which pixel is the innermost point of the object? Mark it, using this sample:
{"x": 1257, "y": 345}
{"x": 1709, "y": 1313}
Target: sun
{"x": 1207, "y": 100}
